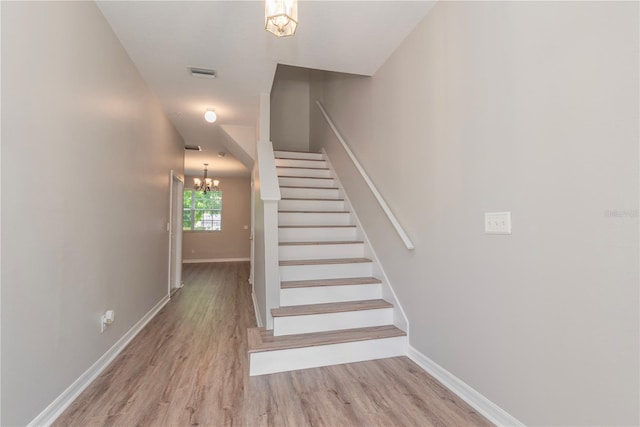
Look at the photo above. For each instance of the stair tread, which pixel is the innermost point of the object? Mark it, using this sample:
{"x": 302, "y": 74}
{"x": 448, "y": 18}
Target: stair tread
{"x": 324, "y": 261}
{"x": 336, "y": 242}
{"x": 304, "y": 177}
{"x": 296, "y": 151}
{"x": 301, "y": 167}
{"x": 306, "y": 160}
{"x": 269, "y": 342}
{"x": 313, "y": 211}
{"x": 316, "y": 226}
{"x": 329, "y": 282}
{"x": 306, "y": 188}
{"x": 315, "y": 200}
{"x": 331, "y": 307}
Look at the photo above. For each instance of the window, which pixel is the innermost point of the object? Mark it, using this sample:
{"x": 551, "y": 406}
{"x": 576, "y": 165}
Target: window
{"x": 202, "y": 212}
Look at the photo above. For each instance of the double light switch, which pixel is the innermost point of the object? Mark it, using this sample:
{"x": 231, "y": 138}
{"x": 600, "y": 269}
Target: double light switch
{"x": 497, "y": 223}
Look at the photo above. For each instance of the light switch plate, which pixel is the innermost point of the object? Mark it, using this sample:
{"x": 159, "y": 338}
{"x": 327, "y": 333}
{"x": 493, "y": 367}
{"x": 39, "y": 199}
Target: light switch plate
{"x": 497, "y": 222}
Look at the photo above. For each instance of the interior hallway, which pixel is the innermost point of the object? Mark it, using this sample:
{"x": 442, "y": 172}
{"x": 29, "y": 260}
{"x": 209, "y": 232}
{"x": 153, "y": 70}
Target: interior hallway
{"x": 189, "y": 367}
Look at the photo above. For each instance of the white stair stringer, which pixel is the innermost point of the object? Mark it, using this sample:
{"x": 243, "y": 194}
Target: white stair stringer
{"x": 333, "y": 307}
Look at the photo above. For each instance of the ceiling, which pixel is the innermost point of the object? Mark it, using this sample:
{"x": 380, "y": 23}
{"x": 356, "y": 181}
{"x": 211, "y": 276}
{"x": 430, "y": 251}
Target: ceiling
{"x": 163, "y": 38}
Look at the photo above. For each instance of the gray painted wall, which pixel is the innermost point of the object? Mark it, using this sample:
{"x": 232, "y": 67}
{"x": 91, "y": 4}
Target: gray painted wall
{"x": 528, "y": 107}
{"x": 86, "y": 154}
{"x": 290, "y": 109}
{"x": 233, "y": 241}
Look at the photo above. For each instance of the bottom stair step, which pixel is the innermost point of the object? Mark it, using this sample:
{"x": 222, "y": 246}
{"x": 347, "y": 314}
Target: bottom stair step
{"x": 263, "y": 340}
{"x": 270, "y": 354}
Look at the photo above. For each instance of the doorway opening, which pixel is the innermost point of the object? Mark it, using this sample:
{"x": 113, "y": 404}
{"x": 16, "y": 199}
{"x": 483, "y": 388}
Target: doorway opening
{"x": 175, "y": 233}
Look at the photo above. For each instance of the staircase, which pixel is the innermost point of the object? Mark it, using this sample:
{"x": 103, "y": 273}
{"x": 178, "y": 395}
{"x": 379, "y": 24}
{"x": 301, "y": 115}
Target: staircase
{"x": 331, "y": 307}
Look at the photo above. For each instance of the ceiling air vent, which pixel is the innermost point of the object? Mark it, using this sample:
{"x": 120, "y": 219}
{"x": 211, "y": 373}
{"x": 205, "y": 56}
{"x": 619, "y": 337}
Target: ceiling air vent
{"x": 202, "y": 72}
{"x": 193, "y": 147}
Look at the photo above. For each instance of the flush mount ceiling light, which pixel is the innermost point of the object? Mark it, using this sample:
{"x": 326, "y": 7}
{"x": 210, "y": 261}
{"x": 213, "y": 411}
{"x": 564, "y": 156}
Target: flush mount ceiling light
{"x": 281, "y": 17}
{"x": 206, "y": 184}
{"x": 210, "y": 116}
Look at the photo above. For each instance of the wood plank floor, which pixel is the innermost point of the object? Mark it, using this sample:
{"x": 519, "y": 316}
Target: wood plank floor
{"x": 189, "y": 367}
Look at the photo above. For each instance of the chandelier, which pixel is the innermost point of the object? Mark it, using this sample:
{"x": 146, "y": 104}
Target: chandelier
{"x": 206, "y": 184}
{"x": 281, "y": 17}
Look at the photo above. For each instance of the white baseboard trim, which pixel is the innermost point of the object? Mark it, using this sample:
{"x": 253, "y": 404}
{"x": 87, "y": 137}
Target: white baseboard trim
{"x": 196, "y": 261}
{"x": 255, "y": 309}
{"x": 62, "y": 402}
{"x": 484, "y": 406}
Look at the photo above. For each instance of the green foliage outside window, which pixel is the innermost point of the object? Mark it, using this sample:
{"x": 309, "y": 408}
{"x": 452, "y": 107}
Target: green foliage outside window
{"x": 202, "y": 211}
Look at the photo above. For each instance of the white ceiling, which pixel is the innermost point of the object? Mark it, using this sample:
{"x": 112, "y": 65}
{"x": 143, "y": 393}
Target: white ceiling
{"x": 163, "y": 38}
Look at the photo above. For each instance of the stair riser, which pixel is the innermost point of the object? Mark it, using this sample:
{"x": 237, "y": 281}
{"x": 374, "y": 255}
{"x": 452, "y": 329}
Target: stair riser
{"x": 299, "y": 163}
{"x": 313, "y": 218}
{"x": 318, "y": 173}
{"x": 294, "y": 155}
{"x": 269, "y": 362}
{"x": 316, "y": 234}
{"x": 310, "y": 193}
{"x": 325, "y": 271}
{"x": 351, "y": 250}
{"x": 311, "y": 205}
{"x": 327, "y": 294}
{"x": 290, "y": 325}
{"x": 306, "y": 182}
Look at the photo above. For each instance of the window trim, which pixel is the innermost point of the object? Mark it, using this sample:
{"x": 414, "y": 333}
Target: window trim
{"x": 192, "y": 211}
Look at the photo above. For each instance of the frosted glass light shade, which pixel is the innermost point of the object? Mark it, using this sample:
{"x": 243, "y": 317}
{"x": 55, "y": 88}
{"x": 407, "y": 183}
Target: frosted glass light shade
{"x": 197, "y": 182}
{"x": 281, "y": 17}
{"x": 210, "y": 116}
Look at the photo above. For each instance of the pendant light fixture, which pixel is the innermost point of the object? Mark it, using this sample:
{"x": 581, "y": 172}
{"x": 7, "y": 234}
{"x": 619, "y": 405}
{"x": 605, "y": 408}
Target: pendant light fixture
{"x": 206, "y": 184}
{"x": 281, "y": 17}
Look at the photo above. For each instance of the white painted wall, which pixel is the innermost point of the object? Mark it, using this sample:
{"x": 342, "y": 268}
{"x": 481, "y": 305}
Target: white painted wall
{"x": 86, "y": 155}
{"x": 528, "y": 107}
{"x": 242, "y": 144}
{"x": 290, "y": 109}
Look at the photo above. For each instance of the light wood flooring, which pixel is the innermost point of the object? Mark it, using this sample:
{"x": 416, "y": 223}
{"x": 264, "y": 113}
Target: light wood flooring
{"x": 189, "y": 367}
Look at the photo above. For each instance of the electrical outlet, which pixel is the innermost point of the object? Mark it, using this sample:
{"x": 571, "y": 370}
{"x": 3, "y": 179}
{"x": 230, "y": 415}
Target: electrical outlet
{"x": 107, "y": 319}
{"x": 497, "y": 222}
